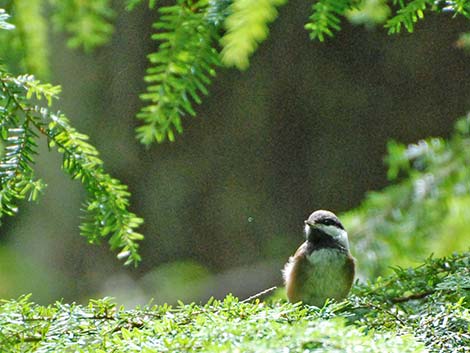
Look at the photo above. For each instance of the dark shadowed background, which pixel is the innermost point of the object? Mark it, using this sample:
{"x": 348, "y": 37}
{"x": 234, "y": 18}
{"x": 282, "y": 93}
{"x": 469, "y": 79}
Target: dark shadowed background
{"x": 305, "y": 127}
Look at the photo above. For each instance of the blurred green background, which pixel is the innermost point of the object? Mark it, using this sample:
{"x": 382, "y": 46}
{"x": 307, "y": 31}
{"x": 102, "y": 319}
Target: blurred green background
{"x": 305, "y": 127}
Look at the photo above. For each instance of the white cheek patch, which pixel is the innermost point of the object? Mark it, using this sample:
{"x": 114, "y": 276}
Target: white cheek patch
{"x": 337, "y": 233}
{"x": 307, "y": 230}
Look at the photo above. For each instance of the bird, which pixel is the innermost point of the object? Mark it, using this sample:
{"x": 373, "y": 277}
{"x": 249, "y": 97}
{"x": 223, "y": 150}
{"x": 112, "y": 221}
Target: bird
{"x": 322, "y": 267}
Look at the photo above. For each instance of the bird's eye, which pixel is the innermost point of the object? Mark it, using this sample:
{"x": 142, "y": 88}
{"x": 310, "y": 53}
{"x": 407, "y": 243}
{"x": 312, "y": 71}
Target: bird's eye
{"x": 328, "y": 222}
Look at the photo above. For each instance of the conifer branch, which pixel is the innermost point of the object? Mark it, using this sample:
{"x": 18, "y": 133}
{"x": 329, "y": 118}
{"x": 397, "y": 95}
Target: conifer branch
{"x": 106, "y": 213}
{"x": 424, "y": 204}
{"x": 180, "y": 70}
{"x": 408, "y": 15}
{"x": 326, "y": 17}
{"x": 411, "y": 12}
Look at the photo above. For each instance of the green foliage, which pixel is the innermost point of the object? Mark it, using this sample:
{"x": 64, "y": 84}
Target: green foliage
{"x": 218, "y": 11}
{"x": 189, "y": 30}
{"x": 26, "y": 47}
{"x": 88, "y": 22}
{"x": 422, "y": 210}
{"x": 327, "y": 14}
{"x": 409, "y": 13}
{"x": 326, "y": 17}
{"x": 32, "y": 31}
{"x": 3, "y": 20}
{"x": 369, "y": 13}
{"x": 218, "y": 326}
{"x": 21, "y": 123}
{"x": 415, "y": 310}
{"x": 246, "y": 26}
{"x": 131, "y": 4}
{"x": 430, "y": 301}
{"x": 180, "y": 70}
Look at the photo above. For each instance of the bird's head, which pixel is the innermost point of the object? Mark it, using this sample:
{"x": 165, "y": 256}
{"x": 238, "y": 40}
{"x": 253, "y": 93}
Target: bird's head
{"x": 325, "y": 226}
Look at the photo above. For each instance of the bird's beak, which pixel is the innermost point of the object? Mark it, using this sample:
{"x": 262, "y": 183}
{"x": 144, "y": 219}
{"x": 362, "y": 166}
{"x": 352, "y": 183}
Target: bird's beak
{"x": 310, "y": 223}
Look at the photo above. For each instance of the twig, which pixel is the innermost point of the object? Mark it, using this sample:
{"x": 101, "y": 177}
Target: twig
{"x": 411, "y": 297}
{"x": 257, "y": 295}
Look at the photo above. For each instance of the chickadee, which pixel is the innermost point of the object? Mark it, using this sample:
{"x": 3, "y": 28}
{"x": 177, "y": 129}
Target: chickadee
{"x": 322, "y": 267}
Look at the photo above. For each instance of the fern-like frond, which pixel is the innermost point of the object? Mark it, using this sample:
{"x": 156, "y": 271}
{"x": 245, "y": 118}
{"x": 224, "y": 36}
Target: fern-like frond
{"x": 106, "y": 207}
{"x": 18, "y": 142}
{"x": 411, "y": 12}
{"x": 180, "y": 70}
{"x": 16, "y": 173}
{"x": 218, "y": 11}
{"x": 461, "y": 7}
{"x": 247, "y": 26}
{"x": 408, "y": 15}
{"x": 88, "y": 22}
{"x": 326, "y": 17}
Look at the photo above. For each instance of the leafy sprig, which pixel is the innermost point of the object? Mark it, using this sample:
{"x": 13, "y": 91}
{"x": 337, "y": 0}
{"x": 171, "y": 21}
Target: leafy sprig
{"x": 106, "y": 213}
{"x": 180, "y": 70}
{"x": 407, "y": 15}
{"x": 184, "y": 64}
{"x": 326, "y": 17}
{"x": 246, "y": 27}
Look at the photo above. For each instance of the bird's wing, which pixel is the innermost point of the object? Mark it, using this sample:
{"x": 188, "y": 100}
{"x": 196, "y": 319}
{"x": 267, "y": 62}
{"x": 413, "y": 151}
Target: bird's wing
{"x": 350, "y": 268}
{"x": 295, "y": 272}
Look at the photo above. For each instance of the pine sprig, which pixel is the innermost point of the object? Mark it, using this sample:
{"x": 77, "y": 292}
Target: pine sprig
{"x": 106, "y": 213}
{"x": 106, "y": 207}
{"x": 408, "y": 15}
{"x": 16, "y": 173}
{"x": 19, "y": 147}
{"x": 180, "y": 70}
{"x": 326, "y": 17}
{"x": 246, "y": 27}
{"x": 411, "y": 12}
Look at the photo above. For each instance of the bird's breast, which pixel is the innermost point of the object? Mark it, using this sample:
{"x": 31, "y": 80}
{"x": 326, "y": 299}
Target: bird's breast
{"x": 327, "y": 276}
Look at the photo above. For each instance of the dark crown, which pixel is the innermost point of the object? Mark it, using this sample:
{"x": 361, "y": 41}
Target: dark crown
{"x": 324, "y": 217}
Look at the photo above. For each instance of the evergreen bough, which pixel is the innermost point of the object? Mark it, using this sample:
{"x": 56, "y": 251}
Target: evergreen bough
{"x": 415, "y": 310}
{"x": 23, "y": 119}
{"x": 194, "y": 38}
{"x": 426, "y": 204}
